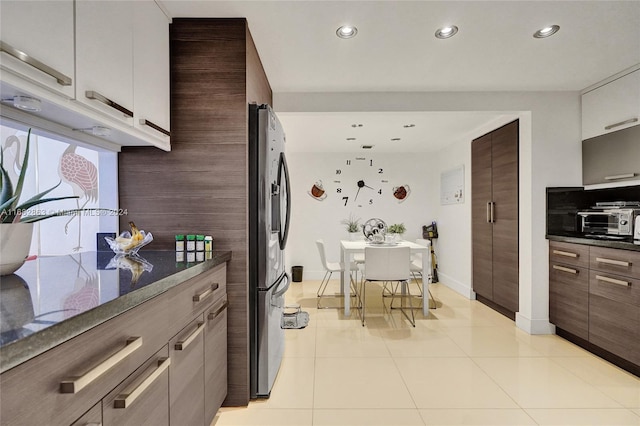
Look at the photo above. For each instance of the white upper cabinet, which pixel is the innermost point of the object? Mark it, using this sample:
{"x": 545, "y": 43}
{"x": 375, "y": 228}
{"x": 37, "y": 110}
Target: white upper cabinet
{"x": 43, "y": 31}
{"x": 151, "y": 76}
{"x": 612, "y": 106}
{"x": 104, "y": 57}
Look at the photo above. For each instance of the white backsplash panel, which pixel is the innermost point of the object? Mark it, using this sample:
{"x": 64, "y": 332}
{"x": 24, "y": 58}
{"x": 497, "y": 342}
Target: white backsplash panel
{"x": 74, "y": 171}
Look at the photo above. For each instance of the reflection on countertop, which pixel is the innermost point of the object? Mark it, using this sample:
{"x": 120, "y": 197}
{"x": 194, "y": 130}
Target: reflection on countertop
{"x": 611, "y": 241}
{"x": 52, "y": 299}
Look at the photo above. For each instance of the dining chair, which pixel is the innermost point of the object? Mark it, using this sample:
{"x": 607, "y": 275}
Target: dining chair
{"x": 388, "y": 265}
{"x": 416, "y": 270}
{"x": 330, "y": 268}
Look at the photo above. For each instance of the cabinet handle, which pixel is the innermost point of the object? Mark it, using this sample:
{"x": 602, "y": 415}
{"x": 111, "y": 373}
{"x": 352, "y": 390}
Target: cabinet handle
{"x": 611, "y": 126}
{"x": 488, "y": 212}
{"x": 213, "y": 315}
{"x": 182, "y": 345}
{"x": 565, "y": 253}
{"x": 563, "y": 269}
{"x": 613, "y": 262}
{"x": 90, "y": 94}
{"x": 127, "y": 398}
{"x": 613, "y": 281}
{"x": 493, "y": 219}
{"x": 62, "y": 79}
{"x": 154, "y": 126}
{"x": 201, "y": 296}
{"x": 75, "y": 384}
{"x": 624, "y": 176}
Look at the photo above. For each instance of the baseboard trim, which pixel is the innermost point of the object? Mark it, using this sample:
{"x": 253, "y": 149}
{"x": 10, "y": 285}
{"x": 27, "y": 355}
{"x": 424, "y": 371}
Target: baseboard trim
{"x": 542, "y": 326}
{"x": 457, "y": 286}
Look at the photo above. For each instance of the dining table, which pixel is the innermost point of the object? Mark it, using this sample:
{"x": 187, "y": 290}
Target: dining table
{"x": 349, "y": 248}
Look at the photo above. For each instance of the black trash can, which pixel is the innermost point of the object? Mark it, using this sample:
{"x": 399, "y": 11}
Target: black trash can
{"x": 296, "y": 274}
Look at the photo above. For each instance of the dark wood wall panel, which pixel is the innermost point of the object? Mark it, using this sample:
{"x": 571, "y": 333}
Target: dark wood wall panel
{"x": 201, "y": 185}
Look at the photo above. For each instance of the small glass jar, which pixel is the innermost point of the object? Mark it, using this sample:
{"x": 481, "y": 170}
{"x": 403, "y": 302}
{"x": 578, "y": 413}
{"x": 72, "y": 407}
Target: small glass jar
{"x": 191, "y": 256}
{"x": 199, "y": 242}
{"x": 179, "y": 242}
{"x": 179, "y": 257}
{"x": 208, "y": 243}
{"x": 191, "y": 243}
{"x": 199, "y": 256}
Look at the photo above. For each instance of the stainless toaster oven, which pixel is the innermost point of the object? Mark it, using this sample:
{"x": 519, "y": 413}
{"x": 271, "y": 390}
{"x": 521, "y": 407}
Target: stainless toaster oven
{"x": 608, "y": 221}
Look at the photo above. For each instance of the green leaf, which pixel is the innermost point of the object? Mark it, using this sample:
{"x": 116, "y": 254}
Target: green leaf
{"x": 28, "y": 204}
{"x": 7, "y": 189}
{"x": 23, "y": 171}
{"x": 43, "y": 193}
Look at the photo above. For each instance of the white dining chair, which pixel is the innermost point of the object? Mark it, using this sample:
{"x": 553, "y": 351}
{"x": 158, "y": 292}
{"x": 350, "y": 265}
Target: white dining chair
{"x": 330, "y": 268}
{"x": 388, "y": 265}
{"x": 416, "y": 271}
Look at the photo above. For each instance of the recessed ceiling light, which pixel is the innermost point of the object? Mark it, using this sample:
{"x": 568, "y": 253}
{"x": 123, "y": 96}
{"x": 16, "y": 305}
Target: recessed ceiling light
{"x": 395, "y": 139}
{"x": 351, "y": 139}
{"x": 406, "y": 126}
{"x": 346, "y": 31}
{"x": 367, "y": 146}
{"x": 446, "y": 32}
{"x": 546, "y": 31}
{"x": 356, "y": 125}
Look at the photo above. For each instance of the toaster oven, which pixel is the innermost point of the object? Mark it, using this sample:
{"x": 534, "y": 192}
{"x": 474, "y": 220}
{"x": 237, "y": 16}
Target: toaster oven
{"x": 608, "y": 221}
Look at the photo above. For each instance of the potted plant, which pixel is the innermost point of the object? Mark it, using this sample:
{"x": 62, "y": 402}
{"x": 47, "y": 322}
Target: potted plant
{"x": 353, "y": 227}
{"x": 16, "y": 222}
{"x": 396, "y": 230}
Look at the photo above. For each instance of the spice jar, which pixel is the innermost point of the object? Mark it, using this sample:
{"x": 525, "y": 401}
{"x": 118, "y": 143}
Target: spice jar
{"x": 199, "y": 242}
{"x": 179, "y": 242}
{"x": 208, "y": 243}
{"x": 191, "y": 243}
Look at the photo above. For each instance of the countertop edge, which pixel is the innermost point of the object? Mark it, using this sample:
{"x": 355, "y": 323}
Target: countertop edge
{"x": 623, "y": 245}
{"x": 15, "y": 353}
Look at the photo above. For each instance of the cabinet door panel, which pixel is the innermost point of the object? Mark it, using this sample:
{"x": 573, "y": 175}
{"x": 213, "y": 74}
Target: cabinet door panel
{"x": 482, "y": 230}
{"x": 151, "y": 407}
{"x": 47, "y": 36}
{"x": 91, "y": 417}
{"x": 215, "y": 359}
{"x": 613, "y": 287}
{"x": 186, "y": 376}
{"x": 569, "y": 298}
{"x": 615, "y": 327}
{"x": 569, "y": 254}
{"x": 104, "y": 54}
{"x": 620, "y": 262}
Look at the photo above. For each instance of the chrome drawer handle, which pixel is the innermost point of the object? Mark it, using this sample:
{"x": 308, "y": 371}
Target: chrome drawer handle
{"x": 488, "y": 212}
{"x": 155, "y": 127}
{"x": 613, "y": 281}
{"x": 611, "y": 126}
{"x": 127, "y": 398}
{"x": 214, "y": 315}
{"x": 613, "y": 262}
{"x": 90, "y": 94}
{"x": 201, "y": 296}
{"x": 565, "y": 253}
{"x": 563, "y": 269}
{"x": 76, "y": 384}
{"x": 182, "y": 344}
{"x": 624, "y": 176}
{"x": 62, "y": 79}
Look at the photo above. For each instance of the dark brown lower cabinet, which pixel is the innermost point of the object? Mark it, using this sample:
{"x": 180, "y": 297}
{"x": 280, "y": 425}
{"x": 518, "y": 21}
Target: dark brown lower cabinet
{"x": 215, "y": 354}
{"x": 91, "y": 417}
{"x": 143, "y": 398}
{"x": 569, "y": 298}
{"x": 494, "y": 224}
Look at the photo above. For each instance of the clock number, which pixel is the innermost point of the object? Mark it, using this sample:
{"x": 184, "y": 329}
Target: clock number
{"x": 371, "y": 163}
{"x": 379, "y": 171}
{"x": 380, "y": 191}
{"x": 345, "y": 200}
{"x": 370, "y": 201}
{"x": 339, "y": 190}
{"x": 348, "y": 162}
{"x": 338, "y": 171}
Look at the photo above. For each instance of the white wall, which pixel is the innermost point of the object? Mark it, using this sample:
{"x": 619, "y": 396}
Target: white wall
{"x": 312, "y": 219}
{"x": 550, "y": 155}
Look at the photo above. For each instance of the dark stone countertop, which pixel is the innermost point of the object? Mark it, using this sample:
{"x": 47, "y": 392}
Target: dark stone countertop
{"x": 624, "y": 244}
{"x": 54, "y": 298}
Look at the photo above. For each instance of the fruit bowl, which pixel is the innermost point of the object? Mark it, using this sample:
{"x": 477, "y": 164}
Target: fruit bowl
{"x": 129, "y": 242}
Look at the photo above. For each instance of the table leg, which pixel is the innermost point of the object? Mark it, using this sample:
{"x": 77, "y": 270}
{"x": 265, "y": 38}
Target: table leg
{"x": 426, "y": 273}
{"x": 345, "y": 283}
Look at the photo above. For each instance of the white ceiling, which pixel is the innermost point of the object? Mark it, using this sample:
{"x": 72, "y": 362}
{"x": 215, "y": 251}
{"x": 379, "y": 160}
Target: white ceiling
{"x": 395, "y": 50}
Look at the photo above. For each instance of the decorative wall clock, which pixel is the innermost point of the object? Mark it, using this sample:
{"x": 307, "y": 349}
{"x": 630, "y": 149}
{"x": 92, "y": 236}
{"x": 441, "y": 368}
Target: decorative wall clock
{"x": 360, "y": 181}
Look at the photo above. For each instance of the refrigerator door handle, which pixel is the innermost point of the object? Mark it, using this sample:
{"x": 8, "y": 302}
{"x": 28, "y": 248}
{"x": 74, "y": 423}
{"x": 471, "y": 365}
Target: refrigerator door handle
{"x": 284, "y": 170}
{"x": 279, "y": 293}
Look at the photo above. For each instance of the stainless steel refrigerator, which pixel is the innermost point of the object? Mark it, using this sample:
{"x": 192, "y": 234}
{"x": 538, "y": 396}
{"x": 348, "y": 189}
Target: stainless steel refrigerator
{"x": 269, "y": 213}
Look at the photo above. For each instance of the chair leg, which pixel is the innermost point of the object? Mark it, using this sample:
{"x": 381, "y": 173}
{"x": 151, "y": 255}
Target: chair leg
{"x": 412, "y": 320}
{"x": 322, "y": 288}
{"x": 421, "y": 288}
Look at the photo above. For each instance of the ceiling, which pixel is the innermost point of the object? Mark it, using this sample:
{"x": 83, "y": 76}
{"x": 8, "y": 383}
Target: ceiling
{"x": 395, "y": 50}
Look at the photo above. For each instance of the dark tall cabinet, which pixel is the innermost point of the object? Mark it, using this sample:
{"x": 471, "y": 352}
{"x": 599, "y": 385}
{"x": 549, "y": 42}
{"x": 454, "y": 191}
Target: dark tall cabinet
{"x": 494, "y": 206}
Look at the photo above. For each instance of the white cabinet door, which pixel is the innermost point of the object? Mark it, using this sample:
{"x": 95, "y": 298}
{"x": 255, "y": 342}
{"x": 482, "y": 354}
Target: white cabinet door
{"x": 44, "y": 31}
{"x": 151, "y": 69}
{"x": 104, "y": 57}
{"x": 613, "y": 106}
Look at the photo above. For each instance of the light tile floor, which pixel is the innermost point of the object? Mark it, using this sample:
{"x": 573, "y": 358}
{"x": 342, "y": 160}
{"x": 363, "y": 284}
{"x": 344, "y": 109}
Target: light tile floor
{"x": 463, "y": 365}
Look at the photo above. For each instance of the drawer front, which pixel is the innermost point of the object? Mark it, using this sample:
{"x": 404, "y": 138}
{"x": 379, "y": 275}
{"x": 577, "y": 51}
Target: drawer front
{"x": 569, "y": 254}
{"x": 40, "y": 379}
{"x": 621, "y": 262}
{"x": 91, "y": 417}
{"x": 615, "y": 287}
{"x": 215, "y": 358}
{"x": 569, "y": 299}
{"x": 186, "y": 375}
{"x": 615, "y": 327}
{"x": 193, "y": 296}
{"x": 143, "y": 398}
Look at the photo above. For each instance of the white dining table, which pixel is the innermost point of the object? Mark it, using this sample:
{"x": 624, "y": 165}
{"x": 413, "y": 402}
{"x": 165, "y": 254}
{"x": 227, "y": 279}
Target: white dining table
{"x": 349, "y": 248}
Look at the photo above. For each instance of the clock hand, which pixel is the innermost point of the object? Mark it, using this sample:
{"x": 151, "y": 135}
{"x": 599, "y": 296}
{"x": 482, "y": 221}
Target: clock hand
{"x": 356, "y": 197}
{"x": 367, "y": 186}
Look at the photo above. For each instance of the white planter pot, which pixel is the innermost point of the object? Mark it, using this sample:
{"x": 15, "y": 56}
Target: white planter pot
{"x": 15, "y": 241}
{"x": 355, "y": 236}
